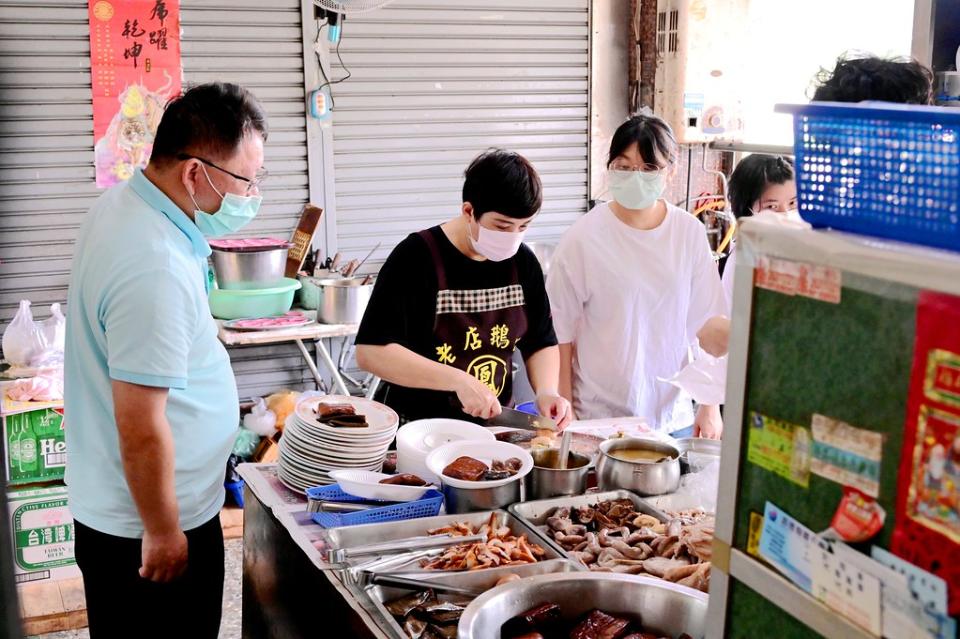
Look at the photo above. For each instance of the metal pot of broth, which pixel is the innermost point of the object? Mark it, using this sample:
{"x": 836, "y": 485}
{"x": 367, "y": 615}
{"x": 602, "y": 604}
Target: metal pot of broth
{"x": 643, "y": 466}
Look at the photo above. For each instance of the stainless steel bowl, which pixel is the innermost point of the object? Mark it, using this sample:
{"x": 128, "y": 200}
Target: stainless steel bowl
{"x": 341, "y": 300}
{"x": 469, "y": 500}
{"x": 696, "y": 453}
{"x": 546, "y": 480}
{"x": 663, "y": 608}
{"x": 249, "y": 270}
{"x": 643, "y": 478}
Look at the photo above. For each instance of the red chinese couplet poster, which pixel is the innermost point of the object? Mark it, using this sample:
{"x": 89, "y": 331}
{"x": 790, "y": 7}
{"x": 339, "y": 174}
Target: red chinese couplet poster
{"x": 927, "y": 529}
{"x": 135, "y": 68}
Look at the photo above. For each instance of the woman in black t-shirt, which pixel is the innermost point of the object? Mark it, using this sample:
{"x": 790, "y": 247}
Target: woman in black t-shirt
{"x": 453, "y": 302}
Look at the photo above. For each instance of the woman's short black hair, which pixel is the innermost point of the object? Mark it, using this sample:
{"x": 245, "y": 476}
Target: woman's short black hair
{"x": 752, "y": 176}
{"x": 901, "y": 80}
{"x": 208, "y": 121}
{"x": 654, "y": 138}
{"x": 504, "y": 182}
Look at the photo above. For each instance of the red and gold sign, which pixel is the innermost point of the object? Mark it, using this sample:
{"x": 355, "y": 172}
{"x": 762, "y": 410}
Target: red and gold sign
{"x": 135, "y": 69}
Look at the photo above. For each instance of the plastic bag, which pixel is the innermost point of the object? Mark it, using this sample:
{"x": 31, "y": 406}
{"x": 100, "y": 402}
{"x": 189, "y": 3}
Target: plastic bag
{"x": 283, "y": 403}
{"x": 697, "y": 490}
{"x": 261, "y": 420}
{"x": 47, "y": 387}
{"x": 29, "y": 344}
{"x": 704, "y": 379}
{"x": 245, "y": 443}
{"x": 54, "y": 329}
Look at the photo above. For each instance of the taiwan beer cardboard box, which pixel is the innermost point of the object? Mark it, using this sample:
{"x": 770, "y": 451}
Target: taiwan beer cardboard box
{"x": 42, "y": 531}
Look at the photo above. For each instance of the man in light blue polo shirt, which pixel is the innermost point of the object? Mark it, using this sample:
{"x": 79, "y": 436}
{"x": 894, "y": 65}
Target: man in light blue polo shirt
{"x": 149, "y": 390}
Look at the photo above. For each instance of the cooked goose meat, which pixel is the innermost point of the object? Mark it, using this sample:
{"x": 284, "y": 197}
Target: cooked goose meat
{"x": 466, "y": 468}
{"x": 404, "y": 479}
{"x": 600, "y": 625}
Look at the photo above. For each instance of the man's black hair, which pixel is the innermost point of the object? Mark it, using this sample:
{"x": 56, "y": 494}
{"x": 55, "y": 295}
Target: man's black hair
{"x": 901, "y": 80}
{"x": 208, "y": 121}
{"x": 752, "y": 176}
{"x": 503, "y": 182}
{"x": 654, "y": 137}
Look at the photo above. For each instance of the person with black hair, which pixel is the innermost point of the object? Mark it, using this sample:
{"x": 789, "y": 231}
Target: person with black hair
{"x": 452, "y": 303}
{"x": 855, "y": 79}
{"x": 630, "y": 285}
{"x": 149, "y": 389}
{"x": 760, "y": 184}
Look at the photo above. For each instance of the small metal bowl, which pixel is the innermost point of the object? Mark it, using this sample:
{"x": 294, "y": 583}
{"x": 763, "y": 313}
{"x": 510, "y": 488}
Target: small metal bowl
{"x": 546, "y": 480}
{"x": 642, "y": 477}
{"x": 470, "y": 500}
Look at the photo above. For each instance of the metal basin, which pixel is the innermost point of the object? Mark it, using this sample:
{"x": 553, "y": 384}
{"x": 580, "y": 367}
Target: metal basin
{"x": 643, "y": 478}
{"x": 661, "y": 607}
{"x": 249, "y": 270}
{"x": 478, "y": 579}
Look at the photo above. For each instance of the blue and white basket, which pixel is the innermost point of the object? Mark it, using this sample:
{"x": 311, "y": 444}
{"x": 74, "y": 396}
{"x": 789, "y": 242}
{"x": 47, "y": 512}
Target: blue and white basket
{"x": 880, "y": 169}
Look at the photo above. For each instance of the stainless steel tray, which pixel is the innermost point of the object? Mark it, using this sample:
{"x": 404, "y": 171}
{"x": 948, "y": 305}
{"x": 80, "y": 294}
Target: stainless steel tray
{"x": 350, "y": 536}
{"x": 535, "y": 513}
{"x": 479, "y": 579}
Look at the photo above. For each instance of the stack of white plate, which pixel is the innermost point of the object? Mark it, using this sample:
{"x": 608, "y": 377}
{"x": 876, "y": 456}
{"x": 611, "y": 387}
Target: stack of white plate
{"x": 309, "y": 450}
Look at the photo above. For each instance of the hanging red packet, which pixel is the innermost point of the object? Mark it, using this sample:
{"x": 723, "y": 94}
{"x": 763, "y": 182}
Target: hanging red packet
{"x": 858, "y": 518}
{"x": 927, "y": 531}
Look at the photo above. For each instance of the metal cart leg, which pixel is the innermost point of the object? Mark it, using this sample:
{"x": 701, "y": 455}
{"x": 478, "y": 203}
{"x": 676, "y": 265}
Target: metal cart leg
{"x": 313, "y": 367}
{"x": 374, "y": 383}
{"x": 324, "y": 355}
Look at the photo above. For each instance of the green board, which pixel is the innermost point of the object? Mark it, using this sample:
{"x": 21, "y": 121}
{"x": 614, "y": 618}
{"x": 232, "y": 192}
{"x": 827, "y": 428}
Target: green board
{"x": 849, "y": 361}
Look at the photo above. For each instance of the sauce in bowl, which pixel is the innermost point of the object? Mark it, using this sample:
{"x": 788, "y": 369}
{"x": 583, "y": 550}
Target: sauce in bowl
{"x": 639, "y": 455}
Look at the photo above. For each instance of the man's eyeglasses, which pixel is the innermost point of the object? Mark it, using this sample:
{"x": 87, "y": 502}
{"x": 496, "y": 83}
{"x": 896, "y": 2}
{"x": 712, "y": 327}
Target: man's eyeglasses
{"x": 251, "y": 183}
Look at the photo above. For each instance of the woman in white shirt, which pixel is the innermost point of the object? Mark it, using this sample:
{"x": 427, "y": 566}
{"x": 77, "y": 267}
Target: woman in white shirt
{"x": 630, "y": 284}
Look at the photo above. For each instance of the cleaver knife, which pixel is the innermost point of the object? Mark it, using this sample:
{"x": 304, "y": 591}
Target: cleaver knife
{"x": 512, "y": 418}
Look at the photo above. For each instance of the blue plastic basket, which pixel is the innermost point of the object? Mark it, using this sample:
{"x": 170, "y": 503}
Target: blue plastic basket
{"x": 426, "y": 506}
{"x": 880, "y": 169}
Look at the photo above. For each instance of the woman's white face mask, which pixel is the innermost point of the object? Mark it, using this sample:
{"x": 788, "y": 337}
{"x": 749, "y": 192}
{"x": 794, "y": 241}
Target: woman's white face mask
{"x": 790, "y": 214}
{"x": 496, "y": 246}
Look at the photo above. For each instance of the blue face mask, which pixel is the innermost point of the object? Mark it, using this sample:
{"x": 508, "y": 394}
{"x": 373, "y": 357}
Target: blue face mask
{"x": 234, "y": 213}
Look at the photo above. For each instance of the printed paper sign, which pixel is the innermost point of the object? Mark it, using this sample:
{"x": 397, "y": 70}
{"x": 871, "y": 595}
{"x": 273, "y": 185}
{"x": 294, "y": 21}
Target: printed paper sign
{"x": 781, "y": 276}
{"x": 934, "y": 497}
{"x": 820, "y": 283}
{"x": 787, "y": 545}
{"x": 841, "y": 585}
{"x": 930, "y": 589}
{"x": 922, "y": 609}
{"x": 846, "y": 454}
{"x": 781, "y": 448}
{"x": 135, "y": 68}
{"x": 798, "y": 278}
{"x": 753, "y": 535}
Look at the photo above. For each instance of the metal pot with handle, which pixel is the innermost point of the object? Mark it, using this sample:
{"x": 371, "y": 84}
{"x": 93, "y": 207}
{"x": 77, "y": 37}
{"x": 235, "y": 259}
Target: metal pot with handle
{"x": 644, "y": 477}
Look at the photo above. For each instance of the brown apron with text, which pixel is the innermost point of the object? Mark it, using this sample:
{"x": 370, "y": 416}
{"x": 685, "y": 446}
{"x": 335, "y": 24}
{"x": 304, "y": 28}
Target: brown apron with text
{"x": 477, "y": 330}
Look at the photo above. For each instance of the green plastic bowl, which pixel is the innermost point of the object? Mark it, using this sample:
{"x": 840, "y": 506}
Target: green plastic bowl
{"x": 264, "y": 302}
